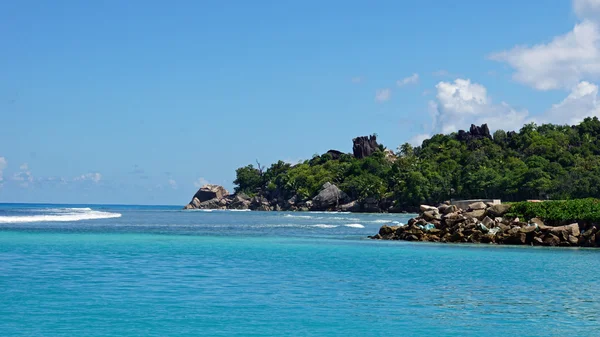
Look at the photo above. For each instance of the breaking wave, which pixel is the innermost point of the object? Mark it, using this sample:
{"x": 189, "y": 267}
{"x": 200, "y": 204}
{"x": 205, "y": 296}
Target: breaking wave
{"x": 60, "y": 215}
{"x": 354, "y": 225}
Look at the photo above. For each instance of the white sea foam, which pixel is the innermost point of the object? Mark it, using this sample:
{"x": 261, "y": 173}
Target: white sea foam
{"x": 60, "y": 215}
{"x": 298, "y": 216}
{"x": 324, "y": 226}
{"x": 354, "y": 225}
{"x": 326, "y": 212}
{"x": 381, "y": 221}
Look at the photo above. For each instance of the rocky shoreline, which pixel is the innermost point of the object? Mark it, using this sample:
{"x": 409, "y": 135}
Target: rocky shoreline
{"x": 487, "y": 223}
{"x": 330, "y": 198}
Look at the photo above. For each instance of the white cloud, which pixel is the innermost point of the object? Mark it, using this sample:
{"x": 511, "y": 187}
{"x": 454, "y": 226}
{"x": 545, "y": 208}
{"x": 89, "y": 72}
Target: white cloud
{"x": 461, "y": 103}
{"x": 357, "y": 79}
{"x": 94, "y": 177}
{"x": 462, "y": 96}
{"x": 564, "y": 61}
{"x": 441, "y": 73}
{"x": 586, "y": 8}
{"x": 417, "y": 140}
{"x": 24, "y": 176}
{"x": 582, "y": 102}
{"x": 173, "y": 184}
{"x": 414, "y": 78}
{"x": 383, "y": 95}
{"x": 200, "y": 182}
{"x": 3, "y": 164}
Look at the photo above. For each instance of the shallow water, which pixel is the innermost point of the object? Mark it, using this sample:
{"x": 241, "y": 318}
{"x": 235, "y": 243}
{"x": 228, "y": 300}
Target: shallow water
{"x": 159, "y": 271}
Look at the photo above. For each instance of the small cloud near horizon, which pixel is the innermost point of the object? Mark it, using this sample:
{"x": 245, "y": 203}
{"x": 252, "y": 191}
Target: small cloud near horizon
{"x": 200, "y": 182}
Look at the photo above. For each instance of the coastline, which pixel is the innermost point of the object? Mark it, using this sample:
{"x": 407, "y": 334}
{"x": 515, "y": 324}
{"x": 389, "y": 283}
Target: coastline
{"x": 482, "y": 223}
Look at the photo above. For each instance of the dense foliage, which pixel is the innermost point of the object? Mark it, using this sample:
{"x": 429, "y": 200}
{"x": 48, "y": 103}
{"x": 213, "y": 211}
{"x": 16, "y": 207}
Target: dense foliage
{"x": 538, "y": 162}
{"x": 586, "y": 210}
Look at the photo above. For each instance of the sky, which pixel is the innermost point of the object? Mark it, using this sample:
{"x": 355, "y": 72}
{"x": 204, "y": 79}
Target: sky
{"x": 142, "y": 102}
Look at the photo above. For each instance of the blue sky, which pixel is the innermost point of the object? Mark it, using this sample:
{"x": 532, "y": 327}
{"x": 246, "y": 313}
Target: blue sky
{"x": 141, "y": 101}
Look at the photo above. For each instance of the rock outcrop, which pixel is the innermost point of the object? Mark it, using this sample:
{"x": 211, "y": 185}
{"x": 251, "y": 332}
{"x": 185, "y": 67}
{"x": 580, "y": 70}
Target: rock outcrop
{"x": 329, "y": 198}
{"x": 475, "y": 132}
{"x": 445, "y": 223}
{"x": 364, "y": 146}
{"x": 335, "y": 154}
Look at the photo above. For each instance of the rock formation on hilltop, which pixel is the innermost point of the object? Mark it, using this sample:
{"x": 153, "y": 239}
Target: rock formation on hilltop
{"x": 475, "y": 132}
{"x": 364, "y": 146}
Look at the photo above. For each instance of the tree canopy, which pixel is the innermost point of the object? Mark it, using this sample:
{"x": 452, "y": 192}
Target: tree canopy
{"x": 538, "y": 162}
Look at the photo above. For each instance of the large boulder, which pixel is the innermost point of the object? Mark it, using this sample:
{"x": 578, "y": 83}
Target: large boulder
{"x": 329, "y": 197}
{"x": 240, "y": 201}
{"x": 498, "y": 210}
{"x": 476, "y": 214}
{"x": 371, "y": 205}
{"x": 335, "y": 154}
{"x": 209, "y": 191}
{"x": 475, "y": 132}
{"x": 352, "y": 206}
{"x": 479, "y": 205}
{"x": 211, "y": 204}
{"x": 364, "y": 146}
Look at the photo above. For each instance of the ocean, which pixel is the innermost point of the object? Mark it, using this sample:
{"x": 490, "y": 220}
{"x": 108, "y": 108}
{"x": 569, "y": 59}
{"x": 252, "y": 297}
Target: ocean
{"x": 90, "y": 270}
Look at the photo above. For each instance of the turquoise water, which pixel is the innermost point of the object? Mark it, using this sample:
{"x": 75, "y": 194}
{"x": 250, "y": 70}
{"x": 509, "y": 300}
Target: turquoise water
{"x": 159, "y": 271}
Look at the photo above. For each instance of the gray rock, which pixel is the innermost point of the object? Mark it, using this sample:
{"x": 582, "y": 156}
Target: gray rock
{"x": 572, "y": 229}
{"x": 498, "y": 210}
{"x": 432, "y": 215}
{"x": 208, "y": 192}
{"x": 211, "y": 204}
{"x": 364, "y": 146}
{"x": 352, "y": 206}
{"x": 329, "y": 197}
{"x": 489, "y": 223}
{"x": 240, "y": 201}
{"x": 476, "y": 214}
{"x": 477, "y": 206}
{"x": 451, "y": 209}
{"x": 551, "y": 240}
{"x": 425, "y": 208}
{"x": 371, "y": 205}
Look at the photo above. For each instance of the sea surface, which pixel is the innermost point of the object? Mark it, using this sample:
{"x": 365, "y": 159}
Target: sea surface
{"x": 89, "y": 270}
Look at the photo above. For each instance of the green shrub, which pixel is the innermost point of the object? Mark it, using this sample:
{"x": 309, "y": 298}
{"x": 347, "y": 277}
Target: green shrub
{"x": 585, "y": 210}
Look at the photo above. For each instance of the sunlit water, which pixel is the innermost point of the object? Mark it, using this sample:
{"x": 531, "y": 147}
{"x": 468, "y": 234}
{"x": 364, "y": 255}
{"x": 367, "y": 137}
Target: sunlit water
{"x": 85, "y": 270}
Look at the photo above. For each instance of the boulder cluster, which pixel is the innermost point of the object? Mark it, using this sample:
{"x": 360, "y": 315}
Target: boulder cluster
{"x": 330, "y": 198}
{"x": 487, "y": 223}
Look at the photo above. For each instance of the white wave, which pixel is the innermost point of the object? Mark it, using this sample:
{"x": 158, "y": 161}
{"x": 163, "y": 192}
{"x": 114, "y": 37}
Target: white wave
{"x": 381, "y": 221}
{"x": 298, "y": 216}
{"x": 75, "y": 215}
{"x": 339, "y": 218}
{"x": 325, "y": 212}
{"x": 239, "y": 210}
{"x": 324, "y": 226}
{"x": 354, "y": 225}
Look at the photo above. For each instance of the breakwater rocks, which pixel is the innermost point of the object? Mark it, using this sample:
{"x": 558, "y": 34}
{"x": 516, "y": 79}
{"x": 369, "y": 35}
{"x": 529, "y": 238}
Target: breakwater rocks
{"x": 329, "y": 198}
{"x": 487, "y": 223}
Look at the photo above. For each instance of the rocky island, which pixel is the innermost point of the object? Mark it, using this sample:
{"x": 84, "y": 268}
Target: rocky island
{"x": 329, "y": 197}
{"x": 546, "y": 162}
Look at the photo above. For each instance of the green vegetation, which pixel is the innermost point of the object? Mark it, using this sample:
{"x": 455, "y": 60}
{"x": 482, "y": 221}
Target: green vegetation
{"x": 538, "y": 162}
{"x": 586, "y": 210}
